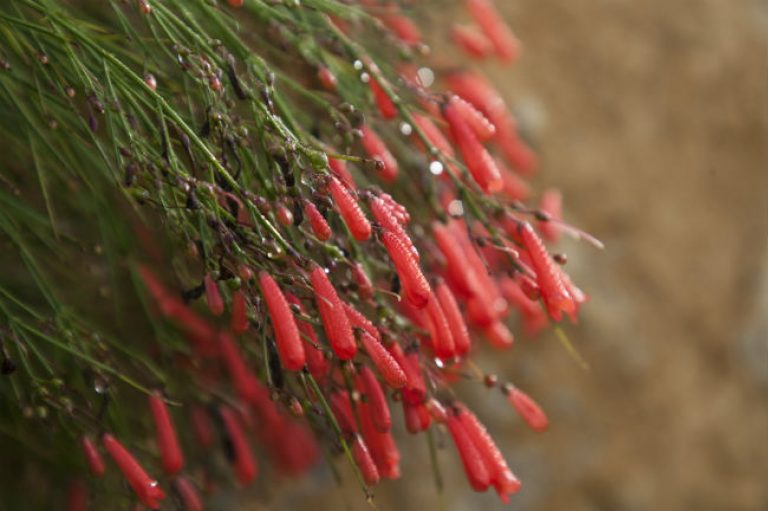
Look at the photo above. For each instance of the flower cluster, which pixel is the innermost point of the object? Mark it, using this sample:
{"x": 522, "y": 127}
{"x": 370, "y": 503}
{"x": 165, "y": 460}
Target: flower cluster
{"x": 344, "y": 229}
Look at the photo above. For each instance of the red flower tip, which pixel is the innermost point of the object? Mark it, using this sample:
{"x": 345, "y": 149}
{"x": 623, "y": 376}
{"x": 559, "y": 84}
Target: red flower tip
{"x": 213, "y": 296}
{"x": 474, "y": 467}
{"x": 147, "y": 489}
{"x": 548, "y": 275}
{"x": 480, "y": 163}
{"x": 289, "y": 344}
{"x": 472, "y": 40}
{"x": 528, "y": 409}
{"x": 375, "y": 148}
{"x": 335, "y": 321}
{"x": 499, "y": 335}
{"x": 242, "y": 456}
{"x": 92, "y": 456}
{"x": 385, "y": 363}
{"x": 317, "y": 221}
{"x": 364, "y": 461}
{"x": 239, "y": 320}
{"x": 167, "y": 439}
{"x": 415, "y": 286}
{"x": 327, "y": 78}
{"x": 316, "y": 361}
{"x": 454, "y": 318}
{"x": 383, "y": 102}
{"x": 369, "y": 386}
{"x": 350, "y": 211}
{"x": 504, "y": 41}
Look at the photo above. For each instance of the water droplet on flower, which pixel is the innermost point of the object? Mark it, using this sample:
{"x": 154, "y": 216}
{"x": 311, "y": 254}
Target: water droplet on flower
{"x": 436, "y": 168}
{"x": 426, "y": 76}
{"x": 405, "y": 128}
{"x": 439, "y": 363}
{"x": 365, "y": 77}
{"x": 456, "y": 208}
{"x": 358, "y": 65}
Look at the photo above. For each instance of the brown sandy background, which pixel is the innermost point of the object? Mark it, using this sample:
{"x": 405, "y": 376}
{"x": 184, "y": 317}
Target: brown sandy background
{"x": 652, "y": 117}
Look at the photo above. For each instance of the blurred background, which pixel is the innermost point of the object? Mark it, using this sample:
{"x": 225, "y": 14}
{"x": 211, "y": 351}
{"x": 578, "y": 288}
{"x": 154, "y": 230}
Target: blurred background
{"x": 652, "y": 117}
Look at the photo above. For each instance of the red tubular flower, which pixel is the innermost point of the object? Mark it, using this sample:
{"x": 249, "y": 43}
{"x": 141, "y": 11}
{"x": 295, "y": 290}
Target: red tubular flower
{"x": 415, "y": 286}
{"x": 243, "y": 379}
{"x": 472, "y": 40}
{"x": 235, "y": 3}
{"x": 415, "y": 389}
{"x": 167, "y": 439}
{"x": 478, "y": 91}
{"x": 548, "y": 274}
{"x": 385, "y": 105}
{"x": 369, "y": 385}
{"x": 239, "y": 321}
{"x": 401, "y": 214}
{"x": 357, "y": 320}
{"x": 435, "y": 137}
{"x": 316, "y": 361}
{"x": 364, "y": 461}
{"x": 335, "y": 322}
{"x": 77, "y": 496}
{"x": 442, "y": 338}
{"x": 390, "y": 371}
{"x": 504, "y": 41}
{"x": 500, "y": 476}
{"x": 385, "y": 216}
{"x": 460, "y": 275}
{"x": 213, "y": 296}
{"x": 454, "y": 318}
{"x": 375, "y": 148}
{"x": 294, "y": 449}
{"x": 92, "y": 456}
{"x": 339, "y": 169}
{"x": 327, "y": 78}
{"x": 479, "y": 162}
{"x": 528, "y": 409}
{"x": 499, "y": 335}
{"x": 289, "y": 344}
{"x": 417, "y": 417}
{"x": 242, "y": 456}
{"x": 474, "y": 467}
{"x": 482, "y": 127}
{"x": 403, "y": 28}
{"x": 382, "y": 446}
{"x": 342, "y": 410}
{"x": 552, "y": 204}
{"x": 534, "y": 317}
{"x": 283, "y": 214}
{"x": 317, "y": 221}
{"x": 188, "y": 494}
{"x": 146, "y": 488}
{"x": 350, "y": 211}
{"x": 202, "y": 427}
{"x": 364, "y": 284}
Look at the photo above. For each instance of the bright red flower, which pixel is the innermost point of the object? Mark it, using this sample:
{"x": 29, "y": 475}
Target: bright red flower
{"x": 289, "y": 344}
{"x": 167, "y": 439}
{"x": 147, "y": 489}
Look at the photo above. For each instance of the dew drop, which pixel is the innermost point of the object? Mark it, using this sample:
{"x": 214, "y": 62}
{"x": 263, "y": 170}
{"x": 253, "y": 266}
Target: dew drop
{"x": 405, "y": 128}
{"x": 365, "y": 77}
{"x": 358, "y": 65}
{"x": 436, "y": 168}
{"x": 426, "y": 76}
{"x": 456, "y": 208}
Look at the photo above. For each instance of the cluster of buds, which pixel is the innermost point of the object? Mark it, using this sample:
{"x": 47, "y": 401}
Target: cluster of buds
{"x": 329, "y": 286}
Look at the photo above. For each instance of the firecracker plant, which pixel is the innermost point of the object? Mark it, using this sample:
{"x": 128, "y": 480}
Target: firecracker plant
{"x": 235, "y": 235}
